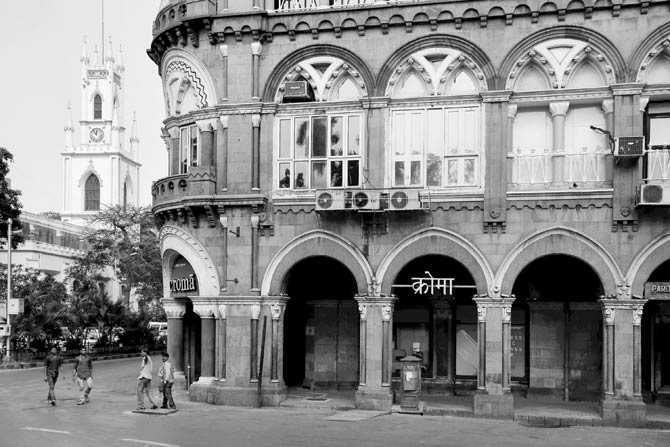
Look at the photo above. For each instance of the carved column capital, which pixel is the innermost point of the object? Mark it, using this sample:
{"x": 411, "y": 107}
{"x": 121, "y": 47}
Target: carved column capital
{"x": 174, "y": 308}
{"x": 607, "y": 106}
{"x": 363, "y": 311}
{"x": 256, "y": 120}
{"x": 205, "y": 310}
{"x": 256, "y": 48}
{"x": 387, "y": 312}
{"x": 255, "y": 311}
{"x": 223, "y": 220}
{"x": 512, "y": 109}
{"x": 223, "y": 119}
{"x": 222, "y": 310}
{"x": 276, "y": 310}
{"x": 637, "y": 314}
{"x": 644, "y": 101}
{"x": 481, "y": 314}
{"x": 559, "y": 108}
{"x": 206, "y": 125}
{"x": 255, "y": 220}
{"x": 223, "y": 49}
{"x": 608, "y": 315}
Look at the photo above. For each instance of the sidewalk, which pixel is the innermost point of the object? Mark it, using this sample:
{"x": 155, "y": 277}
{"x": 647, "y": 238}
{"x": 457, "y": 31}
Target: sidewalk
{"x": 94, "y": 357}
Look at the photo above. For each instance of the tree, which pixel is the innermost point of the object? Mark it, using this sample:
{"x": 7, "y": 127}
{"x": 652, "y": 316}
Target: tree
{"x": 10, "y": 207}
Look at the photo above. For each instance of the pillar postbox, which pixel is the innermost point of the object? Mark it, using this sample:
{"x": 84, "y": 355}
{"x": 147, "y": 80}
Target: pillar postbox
{"x": 410, "y": 378}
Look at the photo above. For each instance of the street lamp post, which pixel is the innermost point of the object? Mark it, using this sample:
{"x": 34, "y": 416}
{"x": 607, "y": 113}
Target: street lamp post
{"x": 8, "y": 355}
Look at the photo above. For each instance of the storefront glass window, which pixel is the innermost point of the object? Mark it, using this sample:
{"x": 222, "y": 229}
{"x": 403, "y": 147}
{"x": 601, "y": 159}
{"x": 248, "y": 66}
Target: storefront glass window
{"x": 467, "y": 351}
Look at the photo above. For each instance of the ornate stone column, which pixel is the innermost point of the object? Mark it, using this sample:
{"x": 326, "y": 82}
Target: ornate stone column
{"x": 175, "y": 310}
{"x": 511, "y": 160}
{"x": 254, "y": 252}
{"x": 609, "y": 314}
{"x": 256, "y": 49}
{"x": 206, "y": 310}
{"x": 493, "y": 398}
{"x": 223, "y": 49}
{"x": 637, "y": 349}
{"x": 277, "y": 312}
{"x": 174, "y": 152}
{"x": 376, "y": 311}
{"x": 207, "y": 128}
{"x": 222, "y": 157}
{"x": 223, "y": 220}
{"x": 255, "y": 151}
{"x": 221, "y": 323}
{"x": 253, "y": 347}
{"x": 558, "y": 112}
{"x": 165, "y": 136}
{"x": 442, "y": 353}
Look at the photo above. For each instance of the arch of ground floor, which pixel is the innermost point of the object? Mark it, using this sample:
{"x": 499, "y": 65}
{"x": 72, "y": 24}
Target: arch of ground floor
{"x": 175, "y": 242}
{"x": 646, "y": 261}
{"x": 310, "y": 244}
{"x": 564, "y": 241}
{"x": 435, "y": 241}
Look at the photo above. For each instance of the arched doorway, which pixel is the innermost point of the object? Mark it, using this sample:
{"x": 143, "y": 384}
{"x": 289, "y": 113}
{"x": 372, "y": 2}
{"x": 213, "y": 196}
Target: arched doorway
{"x": 437, "y": 324}
{"x": 655, "y": 335}
{"x": 192, "y": 335}
{"x": 321, "y": 326}
{"x": 557, "y": 329}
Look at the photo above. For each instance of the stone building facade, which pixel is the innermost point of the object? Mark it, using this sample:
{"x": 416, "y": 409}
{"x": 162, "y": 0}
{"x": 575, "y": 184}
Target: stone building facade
{"x": 359, "y": 181}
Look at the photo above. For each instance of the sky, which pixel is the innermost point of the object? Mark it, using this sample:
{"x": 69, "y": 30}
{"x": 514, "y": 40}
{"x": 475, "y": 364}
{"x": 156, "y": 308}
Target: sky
{"x": 41, "y": 72}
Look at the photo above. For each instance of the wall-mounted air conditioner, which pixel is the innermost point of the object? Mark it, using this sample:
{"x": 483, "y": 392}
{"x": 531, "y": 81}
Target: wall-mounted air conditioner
{"x": 653, "y": 195}
{"x": 330, "y": 200}
{"x": 362, "y": 199}
{"x": 628, "y": 147}
{"x": 298, "y": 91}
{"x": 400, "y": 200}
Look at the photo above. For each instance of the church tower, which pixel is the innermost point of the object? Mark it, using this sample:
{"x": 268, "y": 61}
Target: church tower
{"x": 103, "y": 169}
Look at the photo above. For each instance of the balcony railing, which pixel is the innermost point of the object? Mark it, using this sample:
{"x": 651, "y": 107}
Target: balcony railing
{"x": 535, "y": 167}
{"x": 531, "y": 168}
{"x": 301, "y": 5}
{"x": 658, "y": 165}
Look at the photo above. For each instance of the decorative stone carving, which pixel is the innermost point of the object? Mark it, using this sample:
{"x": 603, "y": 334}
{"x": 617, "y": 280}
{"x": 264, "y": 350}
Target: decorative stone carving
{"x": 481, "y": 314}
{"x": 512, "y": 110}
{"x": 255, "y": 311}
{"x": 205, "y": 310}
{"x": 223, "y": 119}
{"x": 387, "y": 311}
{"x": 275, "y": 311}
{"x": 637, "y": 314}
{"x": 223, "y": 49}
{"x": 222, "y": 311}
{"x": 255, "y": 220}
{"x": 256, "y": 120}
{"x": 174, "y": 308}
{"x": 507, "y": 315}
{"x": 206, "y": 125}
{"x": 559, "y": 108}
{"x": 363, "y": 311}
{"x": 374, "y": 288}
{"x": 256, "y": 48}
{"x": 608, "y": 315}
{"x": 607, "y": 106}
{"x": 223, "y": 220}
{"x": 644, "y": 101}
{"x": 623, "y": 289}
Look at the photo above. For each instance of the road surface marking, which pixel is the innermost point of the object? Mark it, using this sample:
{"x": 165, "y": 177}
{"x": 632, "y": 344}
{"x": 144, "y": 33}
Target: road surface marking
{"x": 47, "y": 430}
{"x": 149, "y": 442}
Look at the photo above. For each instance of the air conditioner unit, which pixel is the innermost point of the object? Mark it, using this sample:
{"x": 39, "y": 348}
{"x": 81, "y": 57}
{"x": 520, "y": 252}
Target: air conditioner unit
{"x": 362, "y": 199}
{"x": 653, "y": 195}
{"x": 297, "y": 91}
{"x": 628, "y": 146}
{"x": 330, "y": 200}
{"x": 400, "y": 200}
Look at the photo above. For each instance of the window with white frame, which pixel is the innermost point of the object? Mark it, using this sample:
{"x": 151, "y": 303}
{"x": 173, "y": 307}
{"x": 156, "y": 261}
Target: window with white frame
{"x": 189, "y": 152}
{"x": 319, "y": 151}
{"x": 436, "y": 147}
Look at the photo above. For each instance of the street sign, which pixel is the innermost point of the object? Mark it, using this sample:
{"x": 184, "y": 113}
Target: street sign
{"x": 657, "y": 290}
{"x": 16, "y": 306}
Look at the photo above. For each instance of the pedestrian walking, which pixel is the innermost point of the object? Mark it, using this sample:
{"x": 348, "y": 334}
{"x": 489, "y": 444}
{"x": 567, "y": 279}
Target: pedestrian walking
{"x": 53, "y": 364}
{"x": 144, "y": 381}
{"x": 82, "y": 371}
{"x": 166, "y": 374}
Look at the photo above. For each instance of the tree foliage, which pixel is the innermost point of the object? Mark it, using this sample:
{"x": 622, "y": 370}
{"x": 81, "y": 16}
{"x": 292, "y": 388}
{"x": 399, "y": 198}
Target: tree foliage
{"x": 10, "y": 206}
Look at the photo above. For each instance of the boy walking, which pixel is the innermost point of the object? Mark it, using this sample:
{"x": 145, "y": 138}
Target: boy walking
{"x": 83, "y": 372}
{"x": 144, "y": 381}
{"x": 53, "y": 364}
{"x": 166, "y": 374}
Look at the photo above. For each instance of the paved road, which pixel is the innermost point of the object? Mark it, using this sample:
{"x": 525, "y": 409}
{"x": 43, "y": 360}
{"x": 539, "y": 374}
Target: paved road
{"x": 26, "y": 420}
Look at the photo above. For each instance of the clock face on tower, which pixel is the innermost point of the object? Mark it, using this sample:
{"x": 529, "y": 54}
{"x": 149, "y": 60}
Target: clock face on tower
{"x": 97, "y": 134}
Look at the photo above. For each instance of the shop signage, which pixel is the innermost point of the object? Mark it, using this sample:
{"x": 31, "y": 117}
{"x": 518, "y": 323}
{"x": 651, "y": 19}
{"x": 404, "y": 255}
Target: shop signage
{"x": 16, "y": 306}
{"x": 427, "y": 285}
{"x": 183, "y": 278}
{"x": 657, "y": 290}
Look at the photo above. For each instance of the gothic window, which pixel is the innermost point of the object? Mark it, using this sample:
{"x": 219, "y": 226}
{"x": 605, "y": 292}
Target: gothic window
{"x": 97, "y": 107}
{"x": 92, "y": 194}
{"x": 319, "y": 151}
{"x": 189, "y": 153}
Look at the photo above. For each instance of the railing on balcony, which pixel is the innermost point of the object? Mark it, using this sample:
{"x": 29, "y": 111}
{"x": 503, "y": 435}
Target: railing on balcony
{"x": 298, "y": 5}
{"x": 531, "y": 167}
{"x": 535, "y": 167}
{"x": 658, "y": 165}
{"x": 585, "y": 166}
{"x": 169, "y": 188}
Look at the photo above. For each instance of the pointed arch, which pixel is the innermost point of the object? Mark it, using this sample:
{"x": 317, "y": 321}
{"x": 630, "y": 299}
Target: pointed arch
{"x": 648, "y": 259}
{"x": 97, "y": 107}
{"x": 586, "y": 74}
{"x": 187, "y": 84}
{"x": 438, "y": 241}
{"x": 657, "y": 42}
{"x": 174, "y": 242}
{"x": 316, "y": 243}
{"x": 561, "y": 48}
{"x": 349, "y": 64}
{"x": 436, "y": 59}
{"x": 532, "y": 76}
{"x": 92, "y": 193}
{"x": 559, "y": 240}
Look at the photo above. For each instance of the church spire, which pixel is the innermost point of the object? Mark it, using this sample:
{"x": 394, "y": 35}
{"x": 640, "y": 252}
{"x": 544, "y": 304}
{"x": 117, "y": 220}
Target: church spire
{"x": 134, "y": 138}
{"x": 120, "y": 67}
{"x": 110, "y": 54}
{"x": 69, "y": 128}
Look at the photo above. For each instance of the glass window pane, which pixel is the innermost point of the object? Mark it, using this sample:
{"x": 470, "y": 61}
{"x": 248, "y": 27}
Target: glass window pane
{"x": 183, "y": 152}
{"x": 194, "y": 146}
{"x": 452, "y": 172}
{"x": 415, "y": 177}
{"x": 285, "y": 175}
{"x": 301, "y": 137}
{"x": 452, "y": 132}
{"x": 284, "y": 138}
{"x": 469, "y": 130}
{"x": 399, "y": 173}
{"x": 353, "y": 173}
{"x": 336, "y": 135}
{"x": 469, "y": 171}
{"x": 467, "y": 351}
{"x": 354, "y": 140}
{"x": 319, "y": 124}
{"x": 659, "y": 131}
{"x": 415, "y": 136}
{"x": 335, "y": 174}
{"x": 301, "y": 175}
{"x": 434, "y": 170}
{"x": 399, "y": 133}
{"x": 319, "y": 179}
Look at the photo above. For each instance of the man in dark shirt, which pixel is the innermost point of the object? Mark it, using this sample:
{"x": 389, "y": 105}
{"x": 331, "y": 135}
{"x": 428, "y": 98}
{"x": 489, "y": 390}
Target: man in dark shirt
{"x": 53, "y": 364}
{"x": 83, "y": 372}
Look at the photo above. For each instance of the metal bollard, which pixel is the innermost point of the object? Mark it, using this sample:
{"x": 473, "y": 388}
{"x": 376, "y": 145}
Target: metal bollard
{"x": 188, "y": 376}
